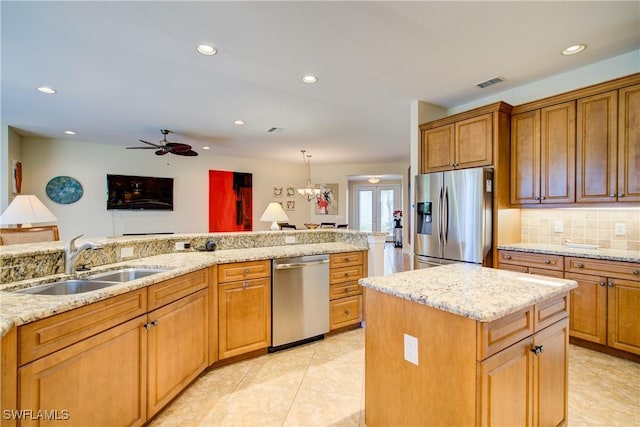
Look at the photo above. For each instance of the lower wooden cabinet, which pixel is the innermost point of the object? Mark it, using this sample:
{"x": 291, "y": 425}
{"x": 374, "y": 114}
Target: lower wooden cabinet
{"x": 345, "y": 294}
{"x": 99, "y": 381}
{"x": 177, "y": 348}
{"x": 244, "y": 317}
{"x": 524, "y": 262}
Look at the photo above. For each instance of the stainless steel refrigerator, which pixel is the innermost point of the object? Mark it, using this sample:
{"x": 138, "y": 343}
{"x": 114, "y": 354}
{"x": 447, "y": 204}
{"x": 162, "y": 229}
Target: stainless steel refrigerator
{"x": 453, "y": 217}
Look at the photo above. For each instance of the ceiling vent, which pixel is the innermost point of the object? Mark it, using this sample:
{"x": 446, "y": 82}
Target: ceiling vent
{"x": 490, "y": 82}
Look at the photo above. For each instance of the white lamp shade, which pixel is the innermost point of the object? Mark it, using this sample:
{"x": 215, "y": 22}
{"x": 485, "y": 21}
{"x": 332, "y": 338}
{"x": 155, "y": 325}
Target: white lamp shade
{"x": 26, "y": 209}
{"x": 274, "y": 213}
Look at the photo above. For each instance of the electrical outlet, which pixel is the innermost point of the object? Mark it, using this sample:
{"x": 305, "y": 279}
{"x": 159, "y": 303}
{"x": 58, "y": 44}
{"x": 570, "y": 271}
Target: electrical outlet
{"x": 411, "y": 349}
{"x": 620, "y": 229}
{"x": 181, "y": 246}
{"x": 558, "y": 226}
{"x": 289, "y": 239}
{"x": 126, "y": 252}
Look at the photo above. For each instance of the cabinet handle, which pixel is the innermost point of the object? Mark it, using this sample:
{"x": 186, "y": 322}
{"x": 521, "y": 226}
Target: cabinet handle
{"x": 155, "y": 322}
{"x": 347, "y": 260}
{"x": 546, "y": 261}
{"x": 347, "y": 312}
{"x": 245, "y": 285}
{"x": 346, "y": 290}
{"x": 612, "y": 194}
{"x": 611, "y": 284}
{"x": 537, "y": 349}
{"x": 620, "y": 194}
{"x": 246, "y": 271}
{"x": 507, "y": 257}
{"x": 635, "y": 272}
{"x": 580, "y": 265}
{"x": 147, "y": 326}
{"x": 537, "y": 198}
{"x": 544, "y": 198}
{"x": 601, "y": 283}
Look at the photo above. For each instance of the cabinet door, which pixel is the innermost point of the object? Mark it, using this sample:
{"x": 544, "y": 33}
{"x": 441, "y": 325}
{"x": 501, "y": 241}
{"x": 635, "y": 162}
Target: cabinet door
{"x": 629, "y": 144}
{"x": 99, "y": 381}
{"x": 624, "y": 321}
{"x": 558, "y": 153}
{"x": 596, "y": 150}
{"x": 178, "y": 348}
{"x": 474, "y": 142}
{"x": 550, "y": 401}
{"x": 525, "y": 158}
{"x": 244, "y": 310}
{"x": 588, "y": 311}
{"x": 345, "y": 311}
{"x": 437, "y": 149}
{"x": 506, "y": 386}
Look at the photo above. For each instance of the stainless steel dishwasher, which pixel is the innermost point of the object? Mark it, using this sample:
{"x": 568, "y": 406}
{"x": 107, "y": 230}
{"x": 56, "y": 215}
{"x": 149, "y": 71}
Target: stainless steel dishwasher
{"x": 300, "y": 300}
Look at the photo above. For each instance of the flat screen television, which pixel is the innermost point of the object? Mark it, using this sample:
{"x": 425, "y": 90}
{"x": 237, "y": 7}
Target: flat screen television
{"x": 139, "y": 192}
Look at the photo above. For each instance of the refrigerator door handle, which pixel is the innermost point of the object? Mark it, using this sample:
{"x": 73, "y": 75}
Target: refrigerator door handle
{"x": 440, "y": 200}
{"x": 445, "y": 216}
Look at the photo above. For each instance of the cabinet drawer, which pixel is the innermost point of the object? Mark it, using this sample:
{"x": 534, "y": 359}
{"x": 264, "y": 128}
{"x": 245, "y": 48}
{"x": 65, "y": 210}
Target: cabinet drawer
{"x": 243, "y": 271}
{"x": 340, "y": 275}
{"x": 549, "y": 273}
{"x": 345, "y": 311}
{"x": 500, "y": 334}
{"x": 171, "y": 290}
{"x": 550, "y": 311}
{"x": 549, "y": 262}
{"x": 599, "y": 267}
{"x": 345, "y": 259}
{"x": 346, "y": 289}
{"x": 45, "y": 336}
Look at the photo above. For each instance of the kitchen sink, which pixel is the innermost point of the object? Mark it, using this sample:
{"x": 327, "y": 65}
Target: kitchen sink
{"x": 67, "y": 287}
{"x": 126, "y": 274}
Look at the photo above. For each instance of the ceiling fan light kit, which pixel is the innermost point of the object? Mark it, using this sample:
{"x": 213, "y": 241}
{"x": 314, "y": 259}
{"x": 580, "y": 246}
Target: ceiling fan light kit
{"x": 165, "y": 146}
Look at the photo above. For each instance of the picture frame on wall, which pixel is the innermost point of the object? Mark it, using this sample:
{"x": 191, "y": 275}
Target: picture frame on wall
{"x": 291, "y": 191}
{"x": 16, "y": 177}
{"x": 327, "y": 201}
{"x": 290, "y": 205}
{"x": 277, "y": 191}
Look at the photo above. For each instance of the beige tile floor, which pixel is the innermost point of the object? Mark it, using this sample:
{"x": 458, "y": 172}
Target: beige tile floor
{"x": 321, "y": 384}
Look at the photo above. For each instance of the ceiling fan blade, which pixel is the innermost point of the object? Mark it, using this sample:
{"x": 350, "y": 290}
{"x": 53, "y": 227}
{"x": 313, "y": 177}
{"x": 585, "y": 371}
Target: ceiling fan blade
{"x": 151, "y": 143}
{"x": 189, "y": 153}
{"x": 177, "y": 147}
{"x": 141, "y": 148}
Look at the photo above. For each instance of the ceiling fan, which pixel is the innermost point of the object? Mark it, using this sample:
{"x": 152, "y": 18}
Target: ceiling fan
{"x": 165, "y": 146}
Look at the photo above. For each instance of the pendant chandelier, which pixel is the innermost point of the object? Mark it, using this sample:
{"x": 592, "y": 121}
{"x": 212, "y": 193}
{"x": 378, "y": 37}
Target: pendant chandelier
{"x": 309, "y": 192}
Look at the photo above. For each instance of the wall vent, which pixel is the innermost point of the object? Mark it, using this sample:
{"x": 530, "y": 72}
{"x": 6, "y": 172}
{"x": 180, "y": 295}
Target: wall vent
{"x": 490, "y": 82}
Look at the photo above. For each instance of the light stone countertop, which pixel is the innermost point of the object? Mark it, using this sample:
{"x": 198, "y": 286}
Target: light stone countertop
{"x": 18, "y": 309}
{"x": 599, "y": 253}
{"x": 480, "y": 293}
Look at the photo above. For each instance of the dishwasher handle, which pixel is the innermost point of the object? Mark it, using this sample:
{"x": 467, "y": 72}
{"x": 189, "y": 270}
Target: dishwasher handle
{"x": 300, "y": 264}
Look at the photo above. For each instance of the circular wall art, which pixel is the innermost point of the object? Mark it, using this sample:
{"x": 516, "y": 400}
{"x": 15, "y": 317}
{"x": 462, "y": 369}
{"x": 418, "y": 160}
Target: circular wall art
{"x": 64, "y": 190}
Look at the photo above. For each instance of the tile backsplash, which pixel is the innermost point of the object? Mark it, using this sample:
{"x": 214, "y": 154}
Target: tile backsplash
{"x": 613, "y": 228}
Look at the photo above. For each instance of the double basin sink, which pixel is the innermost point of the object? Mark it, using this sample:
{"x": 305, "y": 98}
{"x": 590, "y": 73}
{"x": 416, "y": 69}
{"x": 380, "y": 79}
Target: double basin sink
{"x": 92, "y": 283}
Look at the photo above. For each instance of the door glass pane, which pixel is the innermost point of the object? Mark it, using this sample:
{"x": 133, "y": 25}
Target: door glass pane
{"x": 386, "y": 211}
{"x": 365, "y": 211}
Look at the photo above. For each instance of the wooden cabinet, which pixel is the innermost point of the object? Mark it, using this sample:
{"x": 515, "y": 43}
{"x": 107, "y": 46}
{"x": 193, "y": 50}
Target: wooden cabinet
{"x": 177, "y": 334}
{"x": 465, "y": 140}
{"x": 543, "y": 155}
{"x": 90, "y": 361}
{"x": 608, "y": 146}
{"x": 525, "y": 262}
{"x": 605, "y": 304}
{"x": 244, "y": 307}
{"x": 345, "y": 294}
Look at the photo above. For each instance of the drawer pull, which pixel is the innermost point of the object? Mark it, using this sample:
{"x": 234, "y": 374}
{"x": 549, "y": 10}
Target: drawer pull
{"x": 246, "y": 271}
{"x": 546, "y": 261}
{"x": 580, "y": 265}
{"x": 635, "y": 272}
{"x": 537, "y": 349}
{"x": 347, "y": 259}
{"x": 245, "y": 285}
{"x": 346, "y": 290}
{"x": 347, "y": 312}
{"x": 611, "y": 284}
{"x": 601, "y": 283}
{"x": 507, "y": 257}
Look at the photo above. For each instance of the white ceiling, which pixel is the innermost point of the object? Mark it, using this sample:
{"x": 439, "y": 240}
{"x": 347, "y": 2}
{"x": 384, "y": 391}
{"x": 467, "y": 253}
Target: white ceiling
{"x": 125, "y": 70}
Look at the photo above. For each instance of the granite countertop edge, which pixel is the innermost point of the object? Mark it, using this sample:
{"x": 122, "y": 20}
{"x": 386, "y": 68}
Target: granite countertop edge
{"x": 19, "y": 309}
{"x": 480, "y": 293}
{"x": 552, "y": 249}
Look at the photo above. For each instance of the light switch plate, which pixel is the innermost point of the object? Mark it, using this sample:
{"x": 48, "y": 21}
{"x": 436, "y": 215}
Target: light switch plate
{"x": 620, "y": 229}
{"x": 411, "y": 349}
{"x": 558, "y": 226}
{"x": 126, "y": 252}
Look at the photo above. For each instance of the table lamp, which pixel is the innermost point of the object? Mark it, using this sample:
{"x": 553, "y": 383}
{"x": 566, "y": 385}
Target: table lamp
{"x": 274, "y": 213}
{"x": 25, "y": 210}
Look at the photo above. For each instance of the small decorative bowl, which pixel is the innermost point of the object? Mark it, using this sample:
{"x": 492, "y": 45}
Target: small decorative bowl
{"x": 312, "y": 226}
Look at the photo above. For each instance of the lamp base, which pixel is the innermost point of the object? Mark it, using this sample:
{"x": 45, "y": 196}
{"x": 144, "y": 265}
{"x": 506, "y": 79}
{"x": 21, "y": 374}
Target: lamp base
{"x": 274, "y": 226}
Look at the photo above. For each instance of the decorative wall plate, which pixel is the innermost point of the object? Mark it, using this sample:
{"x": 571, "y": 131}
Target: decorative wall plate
{"x": 64, "y": 190}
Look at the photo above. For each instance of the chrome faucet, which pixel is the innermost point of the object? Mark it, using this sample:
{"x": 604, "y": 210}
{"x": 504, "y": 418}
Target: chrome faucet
{"x": 71, "y": 253}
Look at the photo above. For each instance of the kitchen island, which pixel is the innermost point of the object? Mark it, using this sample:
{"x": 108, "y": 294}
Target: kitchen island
{"x": 466, "y": 345}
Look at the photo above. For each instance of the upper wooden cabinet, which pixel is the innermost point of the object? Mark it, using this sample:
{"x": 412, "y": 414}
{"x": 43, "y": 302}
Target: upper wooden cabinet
{"x": 629, "y": 143}
{"x": 463, "y": 140}
{"x": 543, "y": 155}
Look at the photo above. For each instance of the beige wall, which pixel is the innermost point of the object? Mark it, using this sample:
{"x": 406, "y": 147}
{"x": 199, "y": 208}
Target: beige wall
{"x": 592, "y": 226}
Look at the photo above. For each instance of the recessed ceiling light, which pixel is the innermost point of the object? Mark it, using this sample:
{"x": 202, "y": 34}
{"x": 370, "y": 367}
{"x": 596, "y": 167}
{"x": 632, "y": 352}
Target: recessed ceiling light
{"x": 572, "y": 50}
{"x": 206, "y": 148}
{"x": 239, "y": 122}
{"x": 46, "y": 89}
{"x": 310, "y": 79}
{"x": 207, "y": 49}
{"x": 69, "y": 132}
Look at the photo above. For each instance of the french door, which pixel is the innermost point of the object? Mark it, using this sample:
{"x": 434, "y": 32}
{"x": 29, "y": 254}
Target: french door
{"x": 374, "y": 206}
